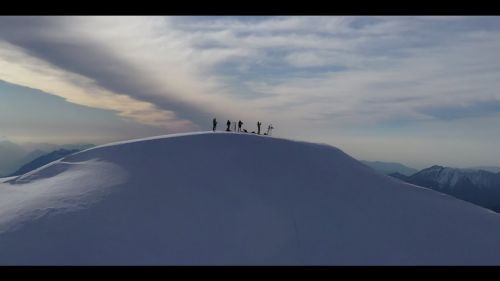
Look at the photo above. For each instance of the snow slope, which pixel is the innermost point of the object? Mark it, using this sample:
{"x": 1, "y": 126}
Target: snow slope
{"x": 232, "y": 199}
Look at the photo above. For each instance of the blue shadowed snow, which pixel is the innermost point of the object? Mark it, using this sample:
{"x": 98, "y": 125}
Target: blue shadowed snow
{"x": 232, "y": 199}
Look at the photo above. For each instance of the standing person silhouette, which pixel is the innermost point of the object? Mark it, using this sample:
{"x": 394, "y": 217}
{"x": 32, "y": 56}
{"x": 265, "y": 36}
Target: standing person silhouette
{"x": 214, "y": 123}
{"x": 258, "y": 127}
{"x": 239, "y": 125}
{"x": 228, "y": 123}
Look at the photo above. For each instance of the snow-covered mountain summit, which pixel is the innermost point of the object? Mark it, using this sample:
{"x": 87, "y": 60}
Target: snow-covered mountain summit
{"x": 477, "y": 186}
{"x": 238, "y": 199}
{"x": 446, "y": 177}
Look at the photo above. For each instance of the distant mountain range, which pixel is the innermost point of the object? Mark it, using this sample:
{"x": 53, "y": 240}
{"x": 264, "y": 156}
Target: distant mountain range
{"x": 13, "y": 155}
{"x": 390, "y": 167}
{"x": 476, "y": 186}
{"x": 486, "y": 168}
{"x": 43, "y": 160}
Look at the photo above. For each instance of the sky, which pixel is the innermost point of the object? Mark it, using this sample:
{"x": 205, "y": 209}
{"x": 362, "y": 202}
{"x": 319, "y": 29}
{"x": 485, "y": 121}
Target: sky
{"x": 415, "y": 90}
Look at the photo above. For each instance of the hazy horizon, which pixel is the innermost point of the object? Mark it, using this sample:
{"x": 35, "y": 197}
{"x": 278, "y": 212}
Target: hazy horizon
{"x": 419, "y": 91}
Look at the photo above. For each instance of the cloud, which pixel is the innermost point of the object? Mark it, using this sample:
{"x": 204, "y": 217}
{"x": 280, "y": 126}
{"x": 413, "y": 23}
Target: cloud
{"x": 18, "y": 67}
{"x": 144, "y": 59}
{"x": 326, "y": 72}
{"x": 306, "y": 59}
{"x": 465, "y": 110}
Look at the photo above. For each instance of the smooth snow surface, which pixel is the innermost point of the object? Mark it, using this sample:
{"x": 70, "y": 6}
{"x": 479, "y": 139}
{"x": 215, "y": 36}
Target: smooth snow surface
{"x": 232, "y": 199}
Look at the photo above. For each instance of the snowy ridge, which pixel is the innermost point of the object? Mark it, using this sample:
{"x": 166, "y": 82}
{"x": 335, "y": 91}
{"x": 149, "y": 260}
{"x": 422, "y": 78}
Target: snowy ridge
{"x": 476, "y": 186}
{"x": 173, "y": 136}
{"x": 450, "y": 177}
{"x": 232, "y": 199}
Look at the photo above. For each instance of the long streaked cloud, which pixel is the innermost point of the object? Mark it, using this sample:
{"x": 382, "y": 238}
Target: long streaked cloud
{"x": 178, "y": 72}
{"x": 19, "y": 68}
{"x": 144, "y": 59}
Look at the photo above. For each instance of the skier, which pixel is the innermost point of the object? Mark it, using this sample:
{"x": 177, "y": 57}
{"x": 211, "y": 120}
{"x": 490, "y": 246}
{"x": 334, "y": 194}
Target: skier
{"x": 228, "y": 123}
{"x": 258, "y": 127}
{"x": 269, "y": 129}
{"x": 214, "y": 122}
{"x": 239, "y": 125}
